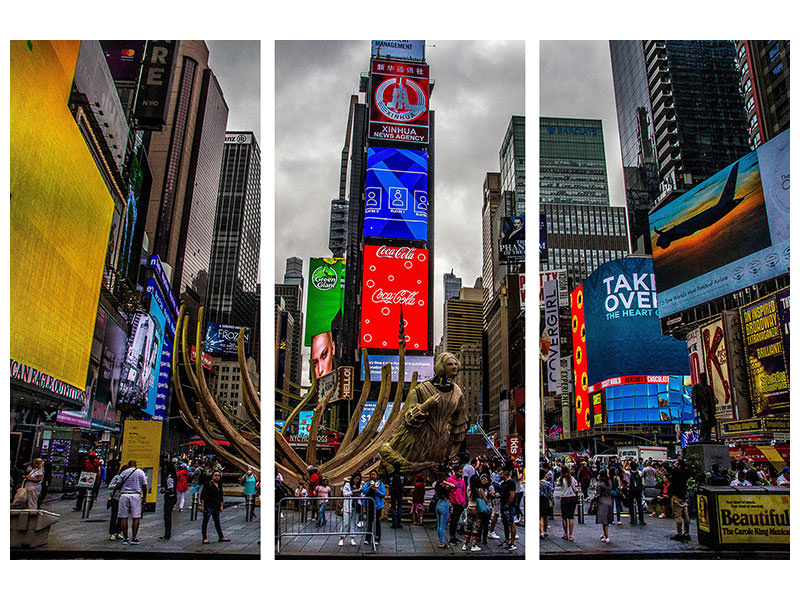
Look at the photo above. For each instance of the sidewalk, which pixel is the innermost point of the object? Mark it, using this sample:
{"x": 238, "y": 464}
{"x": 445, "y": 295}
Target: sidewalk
{"x": 408, "y": 542}
{"x": 627, "y": 541}
{"x": 72, "y": 537}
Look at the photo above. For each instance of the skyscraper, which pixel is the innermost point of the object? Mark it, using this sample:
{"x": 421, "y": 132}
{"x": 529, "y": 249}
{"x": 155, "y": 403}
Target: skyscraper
{"x": 764, "y": 65}
{"x": 237, "y": 233}
{"x": 294, "y": 272}
{"x": 582, "y": 229}
{"x": 681, "y": 118}
{"x": 337, "y": 236}
{"x": 185, "y": 157}
{"x": 452, "y": 286}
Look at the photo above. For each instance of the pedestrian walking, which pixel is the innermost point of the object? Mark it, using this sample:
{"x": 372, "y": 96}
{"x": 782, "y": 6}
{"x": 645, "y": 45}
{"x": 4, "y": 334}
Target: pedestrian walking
{"x": 545, "y": 502}
{"x": 323, "y": 492}
{"x": 616, "y": 494}
{"x": 132, "y": 488}
{"x": 418, "y": 499}
{"x": 442, "y": 496}
{"x": 568, "y": 486}
{"x": 350, "y": 508}
{"x": 604, "y": 504}
{"x": 635, "y": 491}
{"x": 475, "y": 495}
{"x": 181, "y": 485}
{"x": 212, "y": 504}
{"x": 114, "y": 528}
{"x": 584, "y": 478}
{"x": 680, "y": 507}
{"x": 170, "y": 498}
{"x": 48, "y": 477}
{"x": 458, "y": 501}
{"x": 507, "y": 492}
{"x": 90, "y": 465}
{"x": 375, "y": 489}
{"x": 396, "y": 486}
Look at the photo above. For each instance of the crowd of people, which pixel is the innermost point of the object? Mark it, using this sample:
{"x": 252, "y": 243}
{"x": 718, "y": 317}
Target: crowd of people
{"x": 467, "y": 497}
{"x": 660, "y": 489}
{"x": 181, "y": 479}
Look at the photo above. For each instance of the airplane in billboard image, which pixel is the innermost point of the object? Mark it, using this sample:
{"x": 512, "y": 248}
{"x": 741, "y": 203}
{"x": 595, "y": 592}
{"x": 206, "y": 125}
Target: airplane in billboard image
{"x": 727, "y": 202}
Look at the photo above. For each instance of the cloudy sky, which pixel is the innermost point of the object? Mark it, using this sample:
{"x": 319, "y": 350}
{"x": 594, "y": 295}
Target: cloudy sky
{"x": 575, "y": 81}
{"x": 479, "y": 86}
{"x": 237, "y": 66}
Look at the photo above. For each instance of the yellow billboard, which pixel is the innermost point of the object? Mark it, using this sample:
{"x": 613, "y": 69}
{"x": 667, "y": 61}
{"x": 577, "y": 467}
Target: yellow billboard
{"x": 60, "y": 216}
{"x": 141, "y": 441}
{"x": 753, "y": 518}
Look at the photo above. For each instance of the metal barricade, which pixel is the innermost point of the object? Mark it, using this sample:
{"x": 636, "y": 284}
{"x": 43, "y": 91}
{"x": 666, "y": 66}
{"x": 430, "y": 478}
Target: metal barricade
{"x": 249, "y": 507}
{"x": 195, "y": 506}
{"x": 303, "y": 517}
{"x": 581, "y": 500}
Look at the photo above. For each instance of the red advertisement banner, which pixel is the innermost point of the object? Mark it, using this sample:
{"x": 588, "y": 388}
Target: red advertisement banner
{"x": 394, "y": 277}
{"x": 582, "y": 415}
{"x": 399, "y": 102}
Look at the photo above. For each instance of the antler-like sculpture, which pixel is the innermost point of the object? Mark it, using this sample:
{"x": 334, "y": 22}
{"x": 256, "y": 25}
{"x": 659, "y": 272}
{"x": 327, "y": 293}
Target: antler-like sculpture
{"x": 210, "y": 421}
{"x": 384, "y": 450}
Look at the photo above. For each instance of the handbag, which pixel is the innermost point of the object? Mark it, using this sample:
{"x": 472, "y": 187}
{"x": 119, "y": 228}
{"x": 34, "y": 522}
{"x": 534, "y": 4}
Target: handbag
{"x": 483, "y": 507}
{"x": 593, "y": 504}
{"x": 21, "y": 497}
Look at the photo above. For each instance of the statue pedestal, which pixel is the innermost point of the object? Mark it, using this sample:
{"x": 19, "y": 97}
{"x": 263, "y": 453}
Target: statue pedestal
{"x": 701, "y": 455}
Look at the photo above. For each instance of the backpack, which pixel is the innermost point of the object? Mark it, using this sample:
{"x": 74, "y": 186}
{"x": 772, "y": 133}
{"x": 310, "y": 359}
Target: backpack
{"x": 636, "y": 483}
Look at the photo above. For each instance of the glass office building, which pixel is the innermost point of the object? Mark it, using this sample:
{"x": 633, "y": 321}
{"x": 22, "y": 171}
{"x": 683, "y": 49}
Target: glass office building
{"x": 232, "y": 297}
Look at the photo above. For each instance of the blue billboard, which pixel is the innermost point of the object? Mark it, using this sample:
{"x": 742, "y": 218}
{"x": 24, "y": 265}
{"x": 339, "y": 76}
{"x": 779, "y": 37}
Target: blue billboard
{"x": 223, "y": 339}
{"x": 369, "y": 410}
{"x": 727, "y": 233}
{"x": 423, "y": 365}
{"x": 396, "y": 195}
{"x": 623, "y": 330}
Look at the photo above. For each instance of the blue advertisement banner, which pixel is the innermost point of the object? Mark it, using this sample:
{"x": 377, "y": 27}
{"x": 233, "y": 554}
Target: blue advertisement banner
{"x": 162, "y": 390}
{"x": 623, "y": 331}
{"x": 423, "y": 365}
{"x": 223, "y": 339}
{"x": 158, "y": 339}
{"x": 369, "y": 410}
{"x": 396, "y": 195}
{"x": 727, "y": 233}
{"x": 161, "y": 276}
{"x": 169, "y": 319}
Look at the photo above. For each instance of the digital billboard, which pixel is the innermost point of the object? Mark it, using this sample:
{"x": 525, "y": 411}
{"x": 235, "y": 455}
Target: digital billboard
{"x": 623, "y": 330}
{"x": 224, "y": 339}
{"x": 157, "y": 314}
{"x": 641, "y": 399}
{"x": 104, "y": 406}
{"x": 399, "y": 102}
{"x": 60, "y": 216}
{"x": 403, "y": 49}
{"x": 396, "y": 194}
{"x": 124, "y": 58}
{"x": 394, "y": 277}
{"x": 767, "y": 363}
{"x": 581, "y": 375}
{"x": 727, "y": 233}
{"x": 369, "y": 410}
{"x": 511, "y": 247}
{"x": 325, "y": 296}
{"x": 423, "y": 365}
{"x": 551, "y": 324}
{"x": 143, "y": 356}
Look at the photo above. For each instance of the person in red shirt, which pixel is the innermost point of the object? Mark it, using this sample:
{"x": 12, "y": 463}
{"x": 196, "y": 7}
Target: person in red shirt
{"x": 313, "y": 481}
{"x": 91, "y": 465}
{"x": 182, "y": 485}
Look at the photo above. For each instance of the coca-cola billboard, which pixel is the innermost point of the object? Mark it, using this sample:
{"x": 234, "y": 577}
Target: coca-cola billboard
{"x": 394, "y": 277}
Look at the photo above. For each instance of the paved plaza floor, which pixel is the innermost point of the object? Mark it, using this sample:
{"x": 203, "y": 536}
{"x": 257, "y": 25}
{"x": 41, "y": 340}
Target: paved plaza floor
{"x": 407, "y": 542}
{"x": 74, "y": 537}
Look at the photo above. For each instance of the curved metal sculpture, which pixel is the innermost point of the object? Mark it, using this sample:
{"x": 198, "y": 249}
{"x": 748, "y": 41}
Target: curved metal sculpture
{"x": 209, "y": 420}
{"x": 423, "y": 429}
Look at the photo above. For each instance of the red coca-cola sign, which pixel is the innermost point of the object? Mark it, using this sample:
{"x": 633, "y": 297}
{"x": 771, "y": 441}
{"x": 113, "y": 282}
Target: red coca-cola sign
{"x": 394, "y": 277}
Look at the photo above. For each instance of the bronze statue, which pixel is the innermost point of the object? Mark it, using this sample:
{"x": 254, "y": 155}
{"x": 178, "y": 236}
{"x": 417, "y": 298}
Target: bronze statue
{"x": 434, "y": 423}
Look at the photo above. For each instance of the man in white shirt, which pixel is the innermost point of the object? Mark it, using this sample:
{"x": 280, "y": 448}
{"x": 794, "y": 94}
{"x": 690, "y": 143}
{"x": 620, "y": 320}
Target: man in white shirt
{"x": 133, "y": 490}
{"x": 740, "y": 481}
{"x": 783, "y": 480}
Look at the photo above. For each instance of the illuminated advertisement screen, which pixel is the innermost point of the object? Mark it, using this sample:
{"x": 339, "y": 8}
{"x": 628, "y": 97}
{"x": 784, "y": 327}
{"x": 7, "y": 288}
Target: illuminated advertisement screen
{"x": 423, "y": 365}
{"x": 394, "y": 277}
{"x": 59, "y": 219}
{"x": 767, "y": 364}
{"x": 104, "y": 405}
{"x": 224, "y": 339}
{"x": 156, "y": 368}
{"x": 325, "y": 297}
{"x": 124, "y": 57}
{"x": 642, "y": 399}
{"x": 304, "y": 424}
{"x": 140, "y": 369}
{"x": 399, "y": 103}
{"x": 623, "y": 330}
{"x": 369, "y": 410}
{"x": 581, "y": 375}
{"x": 727, "y": 233}
{"x": 511, "y": 247}
{"x": 396, "y": 195}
